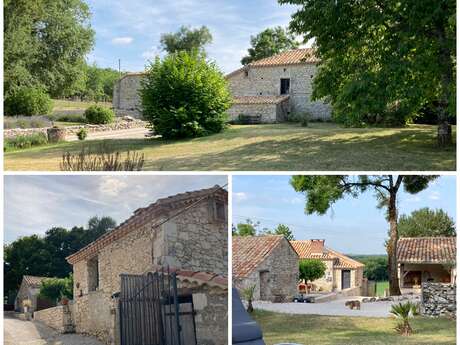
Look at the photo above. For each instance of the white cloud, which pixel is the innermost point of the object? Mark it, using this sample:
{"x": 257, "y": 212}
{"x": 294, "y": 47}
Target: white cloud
{"x": 240, "y": 196}
{"x": 435, "y": 195}
{"x": 122, "y": 41}
{"x": 112, "y": 186}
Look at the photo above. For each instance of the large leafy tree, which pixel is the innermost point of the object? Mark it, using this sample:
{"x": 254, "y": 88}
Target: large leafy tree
{"x": 99, "y": 83}
{"x": 270, "y": 42}
{"x": 282, "y": 229}
{"x": 383, "y": 60}
{"x": 45, "y": 44}
{"x": 321, "y": 192}
{"x": 311, "y": 269}
{"x": 426, "y": 223}
{"x": 186, "y": 39}
{"x": 247, "y": 228}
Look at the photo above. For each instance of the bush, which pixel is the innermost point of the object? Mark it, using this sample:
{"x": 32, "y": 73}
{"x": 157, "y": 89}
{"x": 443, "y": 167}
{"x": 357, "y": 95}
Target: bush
{"x": 97, "y": 115}
{"x": 28, "y": 102}
{"x": 26, "y": 122}
{"x": 69, "y": 118}
{"x": 185, "y": 96}
{"x": 53, "y": 289}
{"x": 311, "y": 269}
{"x": 82, "y": 134}
{"x": 25, "y": 141}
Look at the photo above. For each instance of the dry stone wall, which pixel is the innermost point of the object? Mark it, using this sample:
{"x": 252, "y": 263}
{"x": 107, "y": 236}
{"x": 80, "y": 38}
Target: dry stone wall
{"x": 58, "y": 318}
{"x": 439, "y": 299}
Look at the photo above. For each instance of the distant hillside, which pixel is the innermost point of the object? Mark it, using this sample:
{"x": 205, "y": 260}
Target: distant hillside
{"x": 363, "y": 258}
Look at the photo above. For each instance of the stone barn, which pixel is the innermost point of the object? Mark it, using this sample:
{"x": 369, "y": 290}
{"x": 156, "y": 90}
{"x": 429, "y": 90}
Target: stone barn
{"x": 186, "y": 233}
{"x": 342, "y": 272}
{"x": 268, "y": 262}
{"x": 29, "y": 290}
{"x": 126, "y": 100}
{"x": 426, "y": 260}
{"x": 276, "y": 87}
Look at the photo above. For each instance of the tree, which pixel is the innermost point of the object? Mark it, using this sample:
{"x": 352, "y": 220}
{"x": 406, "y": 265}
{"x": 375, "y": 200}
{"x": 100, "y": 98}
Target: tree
{"x": 184, "y": 96}
{"x": 375, "y": 268}
{"x": 383, "y": 61}
{"x": 270, "y": 42}
{"x": 45, "y": 44}
{"x": 186, "y": 39}
{"x": 53, "y": 289}
{"x": 321, "y": 192}
{"x": 99, "y": 83}
{"x": 426, "y": 223}
{"x": 246, "y": 229}
{"x": 284, "y": 230}
{"x": 311, "y": 269}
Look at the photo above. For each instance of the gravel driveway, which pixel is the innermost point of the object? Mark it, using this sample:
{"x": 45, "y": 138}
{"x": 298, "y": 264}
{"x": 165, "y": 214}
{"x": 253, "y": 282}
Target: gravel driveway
{"x": 332, "y": 308}
{"x": 18, "y": 332}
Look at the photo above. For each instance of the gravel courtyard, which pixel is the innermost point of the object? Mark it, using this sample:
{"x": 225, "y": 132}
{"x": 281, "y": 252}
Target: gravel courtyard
{"x": 332, "y": 308}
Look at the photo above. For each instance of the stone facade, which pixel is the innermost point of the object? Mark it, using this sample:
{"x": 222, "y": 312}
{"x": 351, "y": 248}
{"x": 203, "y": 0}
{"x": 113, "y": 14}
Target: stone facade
{"x": 439, "y": 300}
{"x": 29, "y": 290}
{"x": 126, "y": 98}
{"x": 195, "y": 240}
{"x": 275, "y": 277}
{"x": 58, "y": 318}
{"x": 267, "y": 112}
{"x": 265, "y": 81}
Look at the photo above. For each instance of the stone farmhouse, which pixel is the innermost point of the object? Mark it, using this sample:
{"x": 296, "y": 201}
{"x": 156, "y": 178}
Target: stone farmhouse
{"x": 267, "y": 90}
{"x": 268, "y": 262}
{"x": 426, "y": 260}
{"x": 186, "y": 233}
{"x": 342, "y": 272}
{"x": 29, "y": 290}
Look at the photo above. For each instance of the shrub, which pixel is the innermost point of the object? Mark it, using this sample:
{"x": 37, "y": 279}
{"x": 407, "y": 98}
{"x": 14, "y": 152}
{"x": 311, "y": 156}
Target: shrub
{"x": 28, "y": 102}
{"x": 25, "y": 141}
{"x": 82, "y": 134}
{"x": 185, "y": 96}
{"x": 26, "y": 122}
{"x": 53, "y": 289}
{"x": 248, "y": 295}
{"x": 403, "y": 312}
{"x": 311, "y": 269}
{"x": 97, "y": 115}
{"x": 69, "y": 118}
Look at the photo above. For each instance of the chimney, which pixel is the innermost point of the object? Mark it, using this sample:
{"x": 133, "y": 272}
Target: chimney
{"x": 317, "y": 247}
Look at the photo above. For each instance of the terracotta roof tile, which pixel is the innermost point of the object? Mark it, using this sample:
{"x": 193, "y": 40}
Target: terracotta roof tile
{"x": 199, "y": 278}
{"x": 427, "y": 249}
{"x": 142, "y": 216}
{"x": 33, "y": 281}
{"x": 304, "y": 250}
{"x": 291, "y": 57}
{"x": 259, "y": 99}
{"x": 250, "y": 251}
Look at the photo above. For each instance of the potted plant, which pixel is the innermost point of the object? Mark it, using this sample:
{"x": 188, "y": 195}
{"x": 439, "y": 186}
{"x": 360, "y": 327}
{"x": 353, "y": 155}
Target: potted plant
{"x": 56, "y": 134}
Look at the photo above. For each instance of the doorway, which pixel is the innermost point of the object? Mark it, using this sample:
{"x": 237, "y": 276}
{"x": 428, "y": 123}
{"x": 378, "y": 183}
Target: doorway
{"x": 346, "y": 279}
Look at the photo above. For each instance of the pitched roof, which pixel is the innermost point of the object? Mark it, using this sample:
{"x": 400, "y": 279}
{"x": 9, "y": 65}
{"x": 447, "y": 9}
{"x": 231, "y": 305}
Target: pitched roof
{"x": 33, "y": 281}
{"x": 290, "y": 57}
{"x": 304, "y": 250}
{"x": 427, "y": 249}
{"x": 259, "y": 99}
{"x": 250, "y": 251}
{"x": 199, "y": 278}
{"x": 144, "y": 215}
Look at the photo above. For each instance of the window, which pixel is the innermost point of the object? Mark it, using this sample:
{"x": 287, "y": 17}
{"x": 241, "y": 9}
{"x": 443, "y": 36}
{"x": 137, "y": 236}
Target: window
{"x": 218, "y": 210}
{"x": 246, "y": 73}
{"x": 285, "y": 84}
{"x": 93, "y": 274}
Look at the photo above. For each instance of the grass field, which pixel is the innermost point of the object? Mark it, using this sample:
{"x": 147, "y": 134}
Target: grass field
{"x": 60, "y": 105}
{"x": 381, "y": 286}
{"x": 338, "y": 330}
{"x": 281, "y": 147}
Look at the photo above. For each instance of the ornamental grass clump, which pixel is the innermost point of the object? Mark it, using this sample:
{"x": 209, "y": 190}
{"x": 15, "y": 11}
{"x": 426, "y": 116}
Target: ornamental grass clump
{"x": 404, "y": 312}
{"x": 185, "y": 96}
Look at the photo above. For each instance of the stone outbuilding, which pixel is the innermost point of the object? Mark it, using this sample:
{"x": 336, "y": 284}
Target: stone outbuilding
{"x": 268, "y": 262}
{"x": 342, "y": 272}
{"x": 186, "y": 233}
{"x": 29, "y": 290}
{"x": 426, "y": 260}
{"x": 126, "y": 100}
{"x": 286, "y": 79}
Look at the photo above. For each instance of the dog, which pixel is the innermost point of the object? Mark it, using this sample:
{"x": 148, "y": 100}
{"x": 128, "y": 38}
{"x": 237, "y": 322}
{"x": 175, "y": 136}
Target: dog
{"x": 353, "y": 305}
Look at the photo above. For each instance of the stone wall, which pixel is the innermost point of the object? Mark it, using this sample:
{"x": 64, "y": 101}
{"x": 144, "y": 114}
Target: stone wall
{"x": 282, "y": 270}
{"x": 326, "y": 282}
{"x": 126, "y": 98}
{"x": 58, "y": 318}
{"x": 438, "y": 299}
{"x": 265, "y": 81}
{"x": 269, "y": 113}
{"x": 194, "y": 240}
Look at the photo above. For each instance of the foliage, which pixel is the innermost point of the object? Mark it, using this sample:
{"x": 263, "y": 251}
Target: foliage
{"x": 26, "y": 122}
{"x": 376, "y": 267}
{"x": 45, "y": 256}
{"x": 282, "y": 229}
{"x": 270, "y": 42}
{"x": 304, "y": 121}
{"x": 82, "y": 134}
{"x": 185, "y": 96}
{"x": 311, "y": 269}
{"x": 27, "y": 102}
{"x": 186, "y": 39}
{"x": 249, "y": 228}
{"x": 403, "y": 311}
{"x": 248, "y": 295}
{"x": 53, "y": 289}
{"x": 24, "y": 141}
{"x": 69, "y": 118}
{"x": 426, "y": 223}
{"x": 97, "y": 114}
{"x": 45, "y": 44}
{"x": 382, "y": 62}
{"x": 321, "y": 192}
{"x": 99, "y": 83}
{"x": 86, "y": 160}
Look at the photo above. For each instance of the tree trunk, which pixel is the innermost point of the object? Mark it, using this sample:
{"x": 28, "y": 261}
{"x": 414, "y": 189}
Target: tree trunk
{"x": 392, "y": 245}
{"x": 444, "y": 133}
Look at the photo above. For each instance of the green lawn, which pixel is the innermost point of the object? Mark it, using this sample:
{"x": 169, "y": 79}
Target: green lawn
{"x": 339, "y": 330}
{"x": 279, "y": 147}
{"x": 381, "y": 286}
{"x": 60, "y": 105}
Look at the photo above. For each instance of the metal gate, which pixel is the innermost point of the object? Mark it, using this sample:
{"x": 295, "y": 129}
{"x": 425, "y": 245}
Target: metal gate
{"x": 153, "y": 313}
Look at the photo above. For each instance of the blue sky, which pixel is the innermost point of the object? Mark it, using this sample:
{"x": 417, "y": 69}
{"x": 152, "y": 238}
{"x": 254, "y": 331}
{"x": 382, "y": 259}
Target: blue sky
{"x": 33, "y": 204}
{"x": 354, "y": 226}
{"x": 131, "y": 30}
